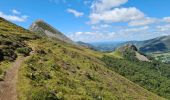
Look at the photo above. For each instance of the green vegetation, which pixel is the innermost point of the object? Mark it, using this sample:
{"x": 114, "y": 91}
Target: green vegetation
{"x": 64, "y": 72}
{"x": 24, "y": 50}
{"x": 61, "y": 71}
{"x": 162, "y": 57}
{"x": 116, "y": 54}
{"x": 1, "y": 74}
{"x": 12, "y": 38}
{"x": 151, "y": 75}
{"x": 127, "y": 52}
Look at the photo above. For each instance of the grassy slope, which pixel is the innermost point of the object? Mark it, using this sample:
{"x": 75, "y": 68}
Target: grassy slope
{"x": 116, "y": 54}
{"x": 70, "y": 73}
{"x": 12, "y": 37}
{"x": 62, "y": 71}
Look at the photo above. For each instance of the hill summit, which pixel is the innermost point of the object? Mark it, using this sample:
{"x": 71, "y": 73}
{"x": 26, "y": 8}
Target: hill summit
{"x": 131, "y": 52}
{"x": 43, "y": 28}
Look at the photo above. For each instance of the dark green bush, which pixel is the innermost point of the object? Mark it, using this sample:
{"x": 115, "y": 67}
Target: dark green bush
{"x": 9, "y": 54}
{"x": 2, "y": 74}
{"x": 24, "y": 50}
{"x": 42, "y": 94}
{"x": 1, "y": 71}
{"x": 1, "y": 55}
{"x": 40, "y": 51}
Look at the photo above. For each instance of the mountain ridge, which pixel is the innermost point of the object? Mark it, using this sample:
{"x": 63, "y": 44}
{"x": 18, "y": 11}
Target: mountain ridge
{"x": 43, "y": 28}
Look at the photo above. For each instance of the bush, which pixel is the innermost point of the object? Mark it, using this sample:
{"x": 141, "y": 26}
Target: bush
{"x": 1, "y": 55}
{"x": 2, "y": 74}
{"x": 24, "y": 50}
{"x": 1, "y": 71}
{"x": 40, "y": 51}
{"x": 42, "y": 94}
{"x": 9, "y": 54}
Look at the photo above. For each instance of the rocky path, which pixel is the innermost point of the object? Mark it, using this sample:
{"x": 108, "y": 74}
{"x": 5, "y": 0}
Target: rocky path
{"x": 8, "y": 88}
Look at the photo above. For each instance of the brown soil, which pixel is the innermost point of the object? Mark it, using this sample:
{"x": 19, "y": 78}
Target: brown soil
{"x": 8, "y": 87}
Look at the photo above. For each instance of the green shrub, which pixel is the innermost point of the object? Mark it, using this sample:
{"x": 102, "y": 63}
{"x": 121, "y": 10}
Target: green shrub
{"x": 1, "y": 71}
{"x": 9, "y": 54}
{"x": 1, "y": 55}
{"x": 42, "y": 94}
{"x": 24, "y": 50}
{"x": 2, "y": 74}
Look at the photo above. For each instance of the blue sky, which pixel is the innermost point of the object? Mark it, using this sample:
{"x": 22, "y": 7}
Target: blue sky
{"x": 94, "y": 20}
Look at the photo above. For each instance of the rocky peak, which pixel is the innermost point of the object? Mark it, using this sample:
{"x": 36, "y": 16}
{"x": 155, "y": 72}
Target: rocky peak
{"x": 128, "y": 47}
{"x": 43, "y": 28}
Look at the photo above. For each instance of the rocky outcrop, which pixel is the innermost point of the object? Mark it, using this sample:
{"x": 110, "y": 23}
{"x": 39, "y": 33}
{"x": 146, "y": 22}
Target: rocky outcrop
{"x": 131, "y": 52}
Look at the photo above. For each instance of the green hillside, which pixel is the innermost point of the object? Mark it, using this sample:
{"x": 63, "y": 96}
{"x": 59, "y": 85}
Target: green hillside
{"x": 152, "y": 75}
{"x": 60, "y": 71}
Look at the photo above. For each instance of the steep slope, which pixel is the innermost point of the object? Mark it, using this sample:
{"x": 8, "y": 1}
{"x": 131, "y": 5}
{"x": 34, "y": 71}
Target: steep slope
{"x": 43, "y": 28}
{"x": 59, "y": 70}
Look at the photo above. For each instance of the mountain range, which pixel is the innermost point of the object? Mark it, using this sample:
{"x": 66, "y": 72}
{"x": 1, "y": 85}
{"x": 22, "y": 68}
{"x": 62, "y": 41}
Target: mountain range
{"x": 159, "y": 44}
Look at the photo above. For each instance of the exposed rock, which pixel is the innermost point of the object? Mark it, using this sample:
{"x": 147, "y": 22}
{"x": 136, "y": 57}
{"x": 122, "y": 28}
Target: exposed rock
{"x": 130, "y": 51}
{"x": 43, "y": 28}
{"x": 141, "y": 57}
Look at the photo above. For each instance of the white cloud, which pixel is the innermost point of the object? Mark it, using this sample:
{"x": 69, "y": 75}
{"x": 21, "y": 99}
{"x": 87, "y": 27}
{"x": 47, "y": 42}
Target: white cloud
{"x": 143, "y": 22}
{"x": 102, "y": 26}
{"x": 105, "y": 26}
{"x": 103, "y": 5}
{"x": 91, "y": 36}
{"x": 14, "y": 11}
{"x": 105, "y": 11}
{"x": 75, "y": 13}
{"x": 116, "y": 15}
{"x": 164, "y": 27}
{"x": 134, "y": 30}
{"x": 15, "y": 18}
{"x": 128, "y": 33}
{"x": 84, "y": 33}
{"x": 166, "y": 19}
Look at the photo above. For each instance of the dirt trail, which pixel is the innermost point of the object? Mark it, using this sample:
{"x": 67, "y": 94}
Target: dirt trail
{"x": 8, "y": 87}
